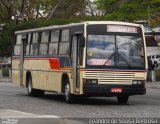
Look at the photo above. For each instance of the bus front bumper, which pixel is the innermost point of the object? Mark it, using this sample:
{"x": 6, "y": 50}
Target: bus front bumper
{"x": 113, "y": 90}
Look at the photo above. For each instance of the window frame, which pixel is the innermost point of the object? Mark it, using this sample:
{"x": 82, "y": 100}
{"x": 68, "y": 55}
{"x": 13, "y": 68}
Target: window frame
{"x": 61, "y": 41}
{"x": 41, "y": 43}
{"x": 38, "y": 42}
{"x": 57, "y": 42}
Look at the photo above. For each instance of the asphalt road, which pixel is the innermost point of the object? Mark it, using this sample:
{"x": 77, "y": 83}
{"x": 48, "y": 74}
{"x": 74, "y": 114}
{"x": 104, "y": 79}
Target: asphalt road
{"x": 16, "y": 98}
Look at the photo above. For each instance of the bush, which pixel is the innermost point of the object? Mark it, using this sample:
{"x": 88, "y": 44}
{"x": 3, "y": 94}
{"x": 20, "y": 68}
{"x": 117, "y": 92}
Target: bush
{"x": 157, "y": 75}
{"x": 5, "y": 72}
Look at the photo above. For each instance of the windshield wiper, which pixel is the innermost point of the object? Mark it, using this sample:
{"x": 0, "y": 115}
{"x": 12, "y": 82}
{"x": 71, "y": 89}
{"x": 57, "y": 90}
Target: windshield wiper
{"x": 128, "y": 64}
{"x": 109, "y": 58}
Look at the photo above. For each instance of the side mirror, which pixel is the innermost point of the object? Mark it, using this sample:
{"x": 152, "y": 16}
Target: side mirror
{"x": 82, "y": 41}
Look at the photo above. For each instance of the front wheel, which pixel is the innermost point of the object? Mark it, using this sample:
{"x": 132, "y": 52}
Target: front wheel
{"x": 68, "y": 95}
{"x": 122, "y": 99}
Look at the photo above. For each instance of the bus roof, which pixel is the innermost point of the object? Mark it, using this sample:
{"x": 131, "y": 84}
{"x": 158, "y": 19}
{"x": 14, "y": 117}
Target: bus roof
{"x": 77, "y": 24}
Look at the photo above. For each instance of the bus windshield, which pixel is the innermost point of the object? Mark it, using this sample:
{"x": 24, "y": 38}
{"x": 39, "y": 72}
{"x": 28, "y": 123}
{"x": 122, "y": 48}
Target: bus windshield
{"x": 115, "y": 50}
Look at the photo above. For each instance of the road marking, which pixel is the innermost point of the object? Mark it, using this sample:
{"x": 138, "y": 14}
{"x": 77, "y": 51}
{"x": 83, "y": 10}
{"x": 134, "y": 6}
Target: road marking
{"x": 7, "y": 113}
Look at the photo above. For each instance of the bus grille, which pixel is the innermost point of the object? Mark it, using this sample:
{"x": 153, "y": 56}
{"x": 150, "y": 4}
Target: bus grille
{"x": 109, "y": 77}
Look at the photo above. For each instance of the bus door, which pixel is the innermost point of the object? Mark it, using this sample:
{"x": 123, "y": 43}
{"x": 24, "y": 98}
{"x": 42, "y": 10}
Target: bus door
{"x": 76, "y": 60}
{"x": 22, "y": 60}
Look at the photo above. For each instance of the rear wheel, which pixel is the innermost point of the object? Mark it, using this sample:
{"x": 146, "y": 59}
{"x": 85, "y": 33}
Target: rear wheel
{"x": 122, "y": 99}
{"x": 31, "y": 90}
{"x": 68, "y": 96}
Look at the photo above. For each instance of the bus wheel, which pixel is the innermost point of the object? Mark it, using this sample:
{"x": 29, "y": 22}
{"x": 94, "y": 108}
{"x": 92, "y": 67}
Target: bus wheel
{"x": 31, "y": 91}
{"x": 122, "y": 99}
{"x": 68, "y": 95}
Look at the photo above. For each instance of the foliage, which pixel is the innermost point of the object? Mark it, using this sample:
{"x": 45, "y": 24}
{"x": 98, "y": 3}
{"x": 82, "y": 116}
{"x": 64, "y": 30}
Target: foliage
{"x": 130, "y": 10}
{"x": 21, "y": 10}
{"x": 157, "y": 74}
{"x": 6, "y": 39}
{"x": 5, "y": 72}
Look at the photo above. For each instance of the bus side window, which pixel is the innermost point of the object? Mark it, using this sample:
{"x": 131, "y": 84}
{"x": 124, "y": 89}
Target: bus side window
{"x": 43, "y": 46}
{"x": 64, "y": 43}
{"x": 17, "y": 46}
{"x": 53, "y": 44}
{"x": 34, "y": 45}
{"x": 27, "y": 47}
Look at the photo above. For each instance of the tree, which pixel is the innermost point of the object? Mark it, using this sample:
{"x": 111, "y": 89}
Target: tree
{"x": 129, "y": 10}
{"x": 6, "y": 7}
{"x": 66, "y": 9}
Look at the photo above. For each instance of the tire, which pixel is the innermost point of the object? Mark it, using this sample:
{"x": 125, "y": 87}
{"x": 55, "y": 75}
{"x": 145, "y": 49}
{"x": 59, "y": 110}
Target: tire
{"x": 122, "y": 99}
{"x": 31, "y": 90}
{"x": 68, "y": 96}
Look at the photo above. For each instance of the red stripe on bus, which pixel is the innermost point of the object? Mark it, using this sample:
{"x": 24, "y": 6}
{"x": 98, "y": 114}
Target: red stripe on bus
{"x": 54, "y": 62}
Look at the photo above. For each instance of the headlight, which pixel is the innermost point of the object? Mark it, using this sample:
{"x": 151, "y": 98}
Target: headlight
{"x": 137, "y": 82}
{"x": 93, "y": 81}
{"x": 140, "y": 82}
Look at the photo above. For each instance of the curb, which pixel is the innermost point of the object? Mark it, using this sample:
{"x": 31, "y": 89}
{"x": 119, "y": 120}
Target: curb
{"x": 154, "y": 87}
{"x": 6, "y": 80}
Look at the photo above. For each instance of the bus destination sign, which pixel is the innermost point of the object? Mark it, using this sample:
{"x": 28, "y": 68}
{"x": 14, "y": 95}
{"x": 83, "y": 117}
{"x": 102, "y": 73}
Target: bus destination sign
{"x": 117, "y": 28}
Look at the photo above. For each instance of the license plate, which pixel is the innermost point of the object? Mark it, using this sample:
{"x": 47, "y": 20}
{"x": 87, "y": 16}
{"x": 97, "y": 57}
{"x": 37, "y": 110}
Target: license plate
{"x": 116, "y": 90}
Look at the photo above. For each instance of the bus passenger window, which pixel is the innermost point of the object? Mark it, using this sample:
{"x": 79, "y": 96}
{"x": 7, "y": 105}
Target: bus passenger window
{"x": 27, "y": 45}
{"x": 64, "y": 48}
{"x": 45, "y": 37}
{"x": 17, "y": 46}
{"x": 43, "y": 49}
{"x": 53, "y": 48}
{"x": 65, "y": 35}
{"x": 64, "y": 43}
{"x": 53, "y": 45}
{"x": 43, "y": 46}
{"x": 27, "y": 49}
{"x": 17, "y": 49}
{"x": 54, "y": 36}
{"x": 19, "y": 39}
{"x": 34, "y": 45}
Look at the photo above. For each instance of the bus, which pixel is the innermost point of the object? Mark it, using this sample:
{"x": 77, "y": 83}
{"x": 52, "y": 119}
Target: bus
{"x": 90, "y": 59}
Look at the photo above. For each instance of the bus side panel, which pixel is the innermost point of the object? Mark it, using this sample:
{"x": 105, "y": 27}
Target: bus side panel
{"x": 54, "y": 82}
{"x": 15, "y": 72}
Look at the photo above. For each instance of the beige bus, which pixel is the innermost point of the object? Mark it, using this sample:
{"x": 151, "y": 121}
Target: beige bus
{"x": 96, "y": 58}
